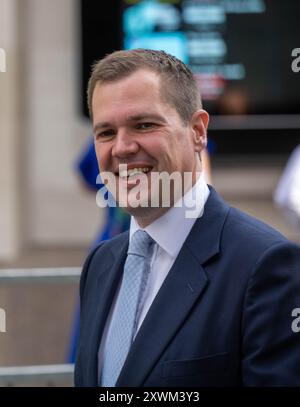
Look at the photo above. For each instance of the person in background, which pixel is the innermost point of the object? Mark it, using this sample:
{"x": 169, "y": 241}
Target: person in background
{"x": 287, "y": 192}
{"x": 117, "y": 220}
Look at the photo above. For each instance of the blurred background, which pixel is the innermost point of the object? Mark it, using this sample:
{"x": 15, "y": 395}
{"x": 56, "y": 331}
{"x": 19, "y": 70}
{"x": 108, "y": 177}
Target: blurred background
{"x": 241, "y": 54}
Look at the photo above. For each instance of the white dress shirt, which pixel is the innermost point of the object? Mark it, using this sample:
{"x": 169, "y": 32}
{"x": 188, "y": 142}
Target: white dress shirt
{"x": 169, "y": 233}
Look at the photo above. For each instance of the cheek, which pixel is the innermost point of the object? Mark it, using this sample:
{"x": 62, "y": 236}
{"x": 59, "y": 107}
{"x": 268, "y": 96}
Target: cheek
{"x": 153, "y": 147}
{"x": 103, "y": 155}
{"x": 163, "y": 150}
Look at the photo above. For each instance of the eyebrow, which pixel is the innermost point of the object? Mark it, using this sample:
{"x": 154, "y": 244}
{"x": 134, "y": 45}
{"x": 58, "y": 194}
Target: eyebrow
{"x": 130, "y": 119}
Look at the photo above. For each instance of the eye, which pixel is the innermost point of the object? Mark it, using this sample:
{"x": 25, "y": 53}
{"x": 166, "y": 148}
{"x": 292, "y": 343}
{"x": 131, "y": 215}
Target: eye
{"x": 145, "y": 125}
{"x": 105, "y": 134}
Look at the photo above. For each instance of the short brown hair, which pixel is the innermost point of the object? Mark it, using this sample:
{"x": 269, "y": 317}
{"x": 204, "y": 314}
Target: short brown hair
{"x": 178, "y": 88}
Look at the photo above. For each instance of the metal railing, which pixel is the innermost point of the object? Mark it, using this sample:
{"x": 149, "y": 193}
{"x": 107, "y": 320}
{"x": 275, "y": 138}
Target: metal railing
{"x": 40, "y": 275}
{"x": 45, "y": 375}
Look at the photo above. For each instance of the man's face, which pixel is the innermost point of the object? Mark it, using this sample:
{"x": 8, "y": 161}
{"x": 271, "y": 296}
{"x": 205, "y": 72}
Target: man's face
{"x": 133, "y": 125}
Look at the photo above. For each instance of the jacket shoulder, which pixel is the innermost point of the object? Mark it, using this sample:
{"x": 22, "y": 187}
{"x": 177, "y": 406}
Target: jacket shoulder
{"x": 111, "y": 245}
{"x": 249, "y": 232}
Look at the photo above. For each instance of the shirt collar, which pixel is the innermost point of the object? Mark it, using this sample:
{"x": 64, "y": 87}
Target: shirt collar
{"x": 172, "y": 228}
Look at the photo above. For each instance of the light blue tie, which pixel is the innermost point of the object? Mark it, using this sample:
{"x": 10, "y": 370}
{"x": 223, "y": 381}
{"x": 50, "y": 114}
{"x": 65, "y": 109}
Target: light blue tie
{"x": 124, "y": 319}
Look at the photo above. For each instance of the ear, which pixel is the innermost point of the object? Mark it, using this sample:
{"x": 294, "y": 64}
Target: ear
{"x": 199, "y": 123}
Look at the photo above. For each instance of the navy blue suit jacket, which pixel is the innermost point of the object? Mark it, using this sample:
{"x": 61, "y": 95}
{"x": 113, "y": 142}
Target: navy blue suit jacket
{"x": 223, "y": 316}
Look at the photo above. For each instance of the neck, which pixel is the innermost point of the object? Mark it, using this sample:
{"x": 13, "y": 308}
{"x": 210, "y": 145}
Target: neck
{"x": 148, "y": 215}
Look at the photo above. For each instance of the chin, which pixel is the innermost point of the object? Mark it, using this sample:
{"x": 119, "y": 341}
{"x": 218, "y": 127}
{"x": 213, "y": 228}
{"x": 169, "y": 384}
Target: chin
{"x": 144, "y": 215}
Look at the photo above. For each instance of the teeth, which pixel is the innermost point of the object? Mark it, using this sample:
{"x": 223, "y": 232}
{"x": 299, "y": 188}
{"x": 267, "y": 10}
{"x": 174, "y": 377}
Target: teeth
{"x": 133, "y": 171}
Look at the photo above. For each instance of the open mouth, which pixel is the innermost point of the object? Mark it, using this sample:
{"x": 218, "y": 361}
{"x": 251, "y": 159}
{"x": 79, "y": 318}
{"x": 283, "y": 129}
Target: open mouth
{"x": 133, "y": 173}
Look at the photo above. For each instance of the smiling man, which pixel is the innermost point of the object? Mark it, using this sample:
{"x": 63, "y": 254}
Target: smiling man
{"x": 202, "y": 300}
{"x": 138, "y": 131}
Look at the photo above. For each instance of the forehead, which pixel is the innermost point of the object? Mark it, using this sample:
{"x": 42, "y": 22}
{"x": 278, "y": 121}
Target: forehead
{"x": 142, "y": 87}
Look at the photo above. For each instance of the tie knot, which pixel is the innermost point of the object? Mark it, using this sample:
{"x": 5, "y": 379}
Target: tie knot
{"x": 139, "y": 243}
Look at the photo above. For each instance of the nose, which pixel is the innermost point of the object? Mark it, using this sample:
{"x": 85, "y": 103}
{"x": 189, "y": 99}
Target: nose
{"x": 124, "y": 144}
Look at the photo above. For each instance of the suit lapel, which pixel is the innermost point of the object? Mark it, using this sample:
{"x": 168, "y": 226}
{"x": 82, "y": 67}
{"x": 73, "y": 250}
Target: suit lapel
{"x": 183, "y": 286}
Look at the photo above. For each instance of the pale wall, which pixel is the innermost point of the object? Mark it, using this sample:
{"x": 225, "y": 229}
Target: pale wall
{"x": 59, "y": 211}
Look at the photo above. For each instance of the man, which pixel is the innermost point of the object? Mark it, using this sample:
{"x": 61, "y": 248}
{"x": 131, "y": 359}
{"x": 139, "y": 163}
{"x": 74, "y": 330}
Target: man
{"x": 180, "y": 300}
